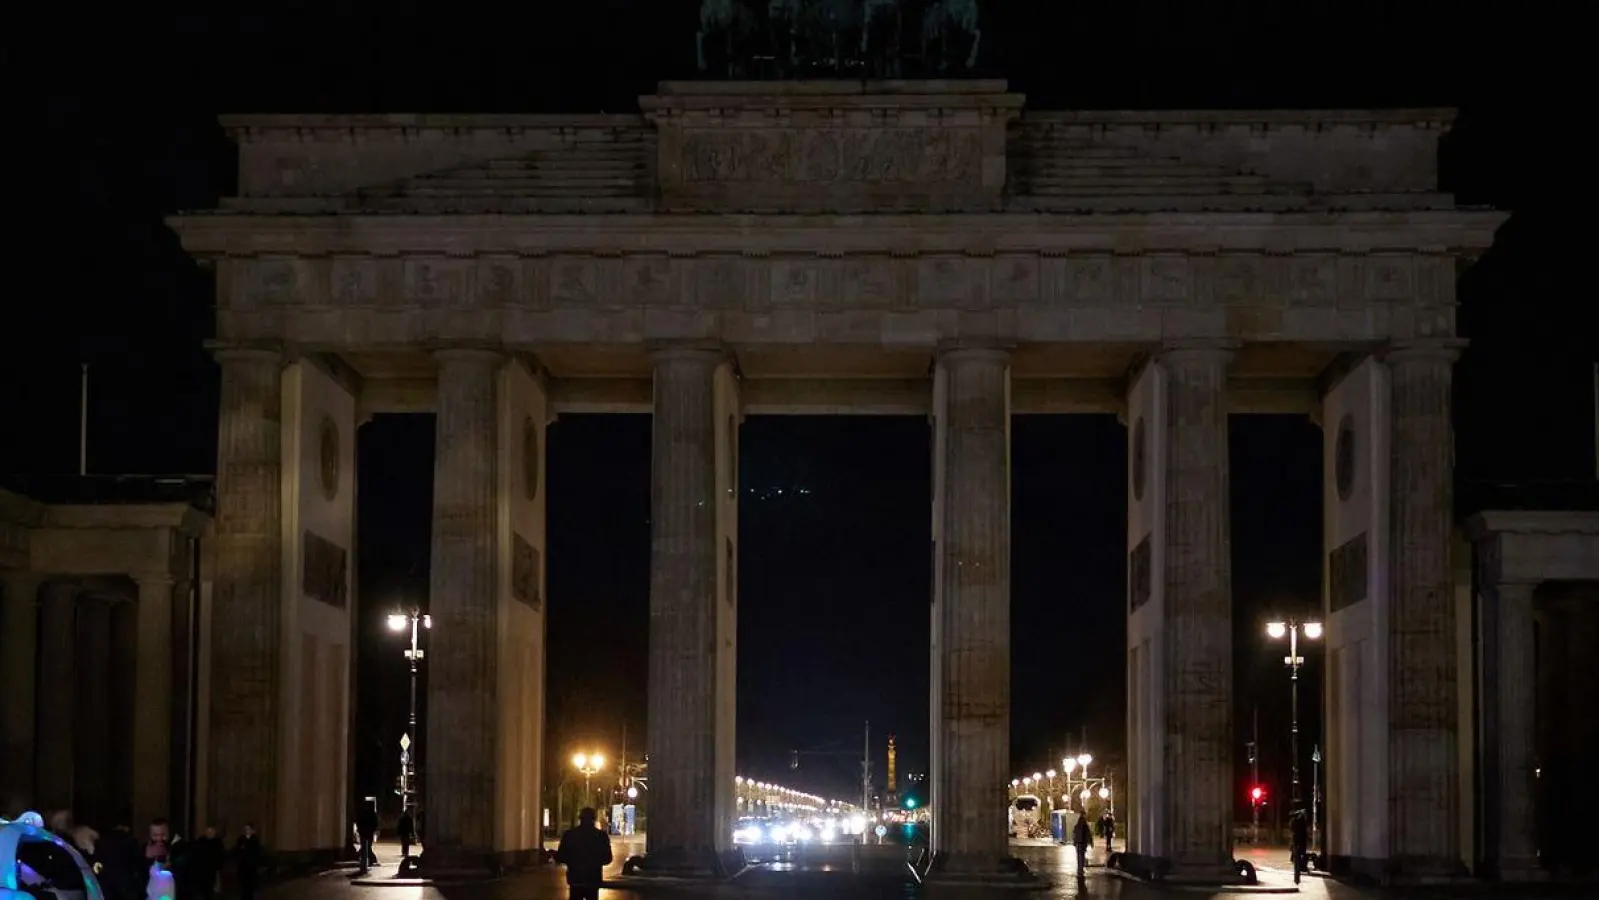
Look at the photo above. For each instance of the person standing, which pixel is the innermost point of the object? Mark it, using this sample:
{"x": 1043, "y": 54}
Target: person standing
{"x": 366, "y": 826}
{"x": 206, "y": 858}
{"x": 585, "y": 851}
{"x": 1299, "y": 831}
{"x": 1081, "y": 839}
{"x": 247, "y": 861}
{"x": 406, "y": 830}
{"x": 1107, "y": 829}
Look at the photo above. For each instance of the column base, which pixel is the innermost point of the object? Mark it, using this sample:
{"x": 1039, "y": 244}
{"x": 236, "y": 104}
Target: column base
{"x": 954, "y": 869}
{"x": 1521, "y": 870}
{"x": 686, "y": 865}
{"x": 1398, "y": 870}
{"x": 465, "y": 863}
{"x": 1160, "y": 868}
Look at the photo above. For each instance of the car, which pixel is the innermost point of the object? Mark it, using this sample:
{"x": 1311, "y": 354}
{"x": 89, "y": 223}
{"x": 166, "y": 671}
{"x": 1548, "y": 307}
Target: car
{"x": 38, "y": 865}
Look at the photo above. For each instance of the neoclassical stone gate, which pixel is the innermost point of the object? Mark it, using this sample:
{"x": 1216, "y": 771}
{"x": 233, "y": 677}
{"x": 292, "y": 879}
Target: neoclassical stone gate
{"x": 897, "y": 247}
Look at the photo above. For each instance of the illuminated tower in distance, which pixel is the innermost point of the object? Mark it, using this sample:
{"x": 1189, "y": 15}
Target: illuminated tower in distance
{"x": 892, "y": 800}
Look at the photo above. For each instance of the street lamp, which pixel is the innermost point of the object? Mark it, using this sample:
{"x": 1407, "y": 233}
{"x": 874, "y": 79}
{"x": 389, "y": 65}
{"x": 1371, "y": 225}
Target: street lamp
{"x": 1292, "y": 630}
{"x": 590, "y": 764}
{"x": 416, "y": 620}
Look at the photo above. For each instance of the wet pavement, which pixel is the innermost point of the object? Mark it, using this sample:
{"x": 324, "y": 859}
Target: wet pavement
{"x": 882, "y": 880}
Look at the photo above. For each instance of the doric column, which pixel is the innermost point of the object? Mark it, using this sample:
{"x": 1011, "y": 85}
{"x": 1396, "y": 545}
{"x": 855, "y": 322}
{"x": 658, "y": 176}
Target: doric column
{"x": 462, "y": 720}
{"x": 91, "y": 762}
{"x": 152, "y": 699}
{"x": 124, "y": 700}
{"x": 246, "y": 622}
{"x": 688, "y": 725}
{"x": 1197, "y": 670}
{"x": 972, "y": 467}
{"x": 19, "y": 634}
{"x": 1514, "y": 784}
{"x": 58, "y": 718}
{"x": 1423, "y": 666}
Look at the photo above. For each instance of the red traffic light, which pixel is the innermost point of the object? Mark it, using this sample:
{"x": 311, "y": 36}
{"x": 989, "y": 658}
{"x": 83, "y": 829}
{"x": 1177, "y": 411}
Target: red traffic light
{"x": 1257, "y": 793}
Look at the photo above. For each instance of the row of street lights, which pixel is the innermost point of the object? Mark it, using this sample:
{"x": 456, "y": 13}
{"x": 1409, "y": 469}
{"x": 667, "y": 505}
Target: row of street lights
{"x": 1028, "y": 783}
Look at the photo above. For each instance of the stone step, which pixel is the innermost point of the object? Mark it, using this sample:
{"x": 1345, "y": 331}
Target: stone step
{"x": 1140, "y": 190}
{"x": 1132, "y": 180}
{"x": 1066, "y": 168}
{"x": 574, "y": 192}
{"x": 573, "y": 159}
{"x": 1046, "y": 148}
{"x": 526, "y": 184}
{"x": 482, "y": 205}
{"x": 546, "y": 171}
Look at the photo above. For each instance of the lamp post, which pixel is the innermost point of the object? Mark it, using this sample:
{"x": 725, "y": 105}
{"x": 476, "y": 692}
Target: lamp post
{"x": 1292, "y": 629}
{"x": 417, "y": 621}
{"x": 590, "y": 764}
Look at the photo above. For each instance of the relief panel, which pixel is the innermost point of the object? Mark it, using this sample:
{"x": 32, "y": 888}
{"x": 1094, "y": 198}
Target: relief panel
{"x": 832, "y": 156}
{"x": 1013, "y": 280}
{"x": 793, "y": 283}
{"x": 325, "y": 571}
{"x": 434, "y": 283}
{"x": 496, "y": 282}
{"x": 649, "y": 281}
{"x": 355, "y": 281}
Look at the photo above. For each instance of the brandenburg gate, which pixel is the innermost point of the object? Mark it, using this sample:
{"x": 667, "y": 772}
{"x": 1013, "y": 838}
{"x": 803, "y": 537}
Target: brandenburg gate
{"x": 926, "y": 247}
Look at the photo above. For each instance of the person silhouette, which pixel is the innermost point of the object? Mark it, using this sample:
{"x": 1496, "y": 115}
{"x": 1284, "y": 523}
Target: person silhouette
{"x": 585, "y": 851}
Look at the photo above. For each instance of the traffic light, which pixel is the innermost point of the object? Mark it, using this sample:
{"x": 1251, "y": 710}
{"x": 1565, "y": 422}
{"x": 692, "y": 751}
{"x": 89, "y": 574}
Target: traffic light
{"x": 1257, "y": 795}
{"x": 910, "y": 802}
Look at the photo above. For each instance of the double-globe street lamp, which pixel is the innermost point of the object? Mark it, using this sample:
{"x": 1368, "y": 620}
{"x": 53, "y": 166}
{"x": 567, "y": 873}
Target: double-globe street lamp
{"x": 590, "y": 764}
{"x": 417, "y": 621}
{"x": 1292, "y": 629}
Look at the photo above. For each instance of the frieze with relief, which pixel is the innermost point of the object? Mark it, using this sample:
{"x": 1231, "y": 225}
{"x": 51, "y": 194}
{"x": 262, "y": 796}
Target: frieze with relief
{"x": 726, "y": 283}
{"x": 833, "y": 156}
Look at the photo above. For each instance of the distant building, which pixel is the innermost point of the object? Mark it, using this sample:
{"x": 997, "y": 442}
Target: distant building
{"x": 102, "y": 604}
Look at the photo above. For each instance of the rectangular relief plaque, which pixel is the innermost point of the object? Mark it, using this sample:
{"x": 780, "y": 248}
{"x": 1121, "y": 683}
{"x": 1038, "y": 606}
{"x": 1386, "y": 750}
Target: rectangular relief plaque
{"x": 1140, "y": 573}
{"x": 1347, "y": 573}
{"x": 325, "y": 571}
{"x": 525, "y": 563}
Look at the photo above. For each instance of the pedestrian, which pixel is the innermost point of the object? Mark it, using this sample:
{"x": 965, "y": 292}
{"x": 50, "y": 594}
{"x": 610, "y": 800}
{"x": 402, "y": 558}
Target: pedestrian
{"x": 1081, "y": 839}
{"x": 366, "y": 827}
{"x": 1107, "y": 829}
{"x": 1299, "y": 830}
{"x": 585, "y": 851}
{"x": 406, "y": 830}
{"x": 206, "y": 858}
{"x": 247, "y": 861}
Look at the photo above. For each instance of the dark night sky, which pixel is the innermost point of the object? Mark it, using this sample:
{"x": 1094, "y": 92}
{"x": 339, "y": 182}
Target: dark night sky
{"x": 118, "y": 127}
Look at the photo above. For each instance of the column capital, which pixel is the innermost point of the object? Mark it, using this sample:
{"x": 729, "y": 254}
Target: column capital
{"x": 152, "y": 579}
{"x": 954, "y": 354}
{"x": 1434, "y": 350}
{"x": 704, "y": 352}
{"x": 481, "y": 355}
{"x": 229, "y": 351}
{"x": 1198, "y": 350}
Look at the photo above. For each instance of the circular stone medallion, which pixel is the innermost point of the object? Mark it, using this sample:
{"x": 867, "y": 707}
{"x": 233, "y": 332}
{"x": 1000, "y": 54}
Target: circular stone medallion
{"x": 1344, "y": 459}
{"x": 1140, "y": 462}
{"x": 328, "y": 452}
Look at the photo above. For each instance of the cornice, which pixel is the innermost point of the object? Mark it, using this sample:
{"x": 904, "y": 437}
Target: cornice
{"x": 1446, "y": 232}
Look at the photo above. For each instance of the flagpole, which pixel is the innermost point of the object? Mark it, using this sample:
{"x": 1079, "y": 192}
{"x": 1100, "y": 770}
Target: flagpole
{"x": 83, "y": 422}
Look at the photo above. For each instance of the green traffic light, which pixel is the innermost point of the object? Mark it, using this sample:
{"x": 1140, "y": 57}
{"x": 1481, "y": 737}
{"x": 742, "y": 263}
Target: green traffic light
{"x": 910, "y": 802}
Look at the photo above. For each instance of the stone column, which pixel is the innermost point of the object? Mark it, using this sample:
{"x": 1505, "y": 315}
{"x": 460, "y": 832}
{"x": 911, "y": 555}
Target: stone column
{"x": 124, "y": 700}
{"x": 246, "y": 622}
{"x": 93, "y": 754}
{"x": 1197, "y": 677}
{"x": 1515, "y": 697}
{"x": 974, "y": 612}
{"x": 1423, "y": 666}
{"x": 153, "y": 700}
{"x": 686, "y": 722}
{"x": 19, "y": 635}
{"x": 57, "y": 718}
{"x": 462, "y": 722}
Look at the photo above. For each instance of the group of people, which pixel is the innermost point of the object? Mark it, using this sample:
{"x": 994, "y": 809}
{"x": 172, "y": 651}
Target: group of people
{"x": 1082, "y": 837}
{"x": 126, "y": 865}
